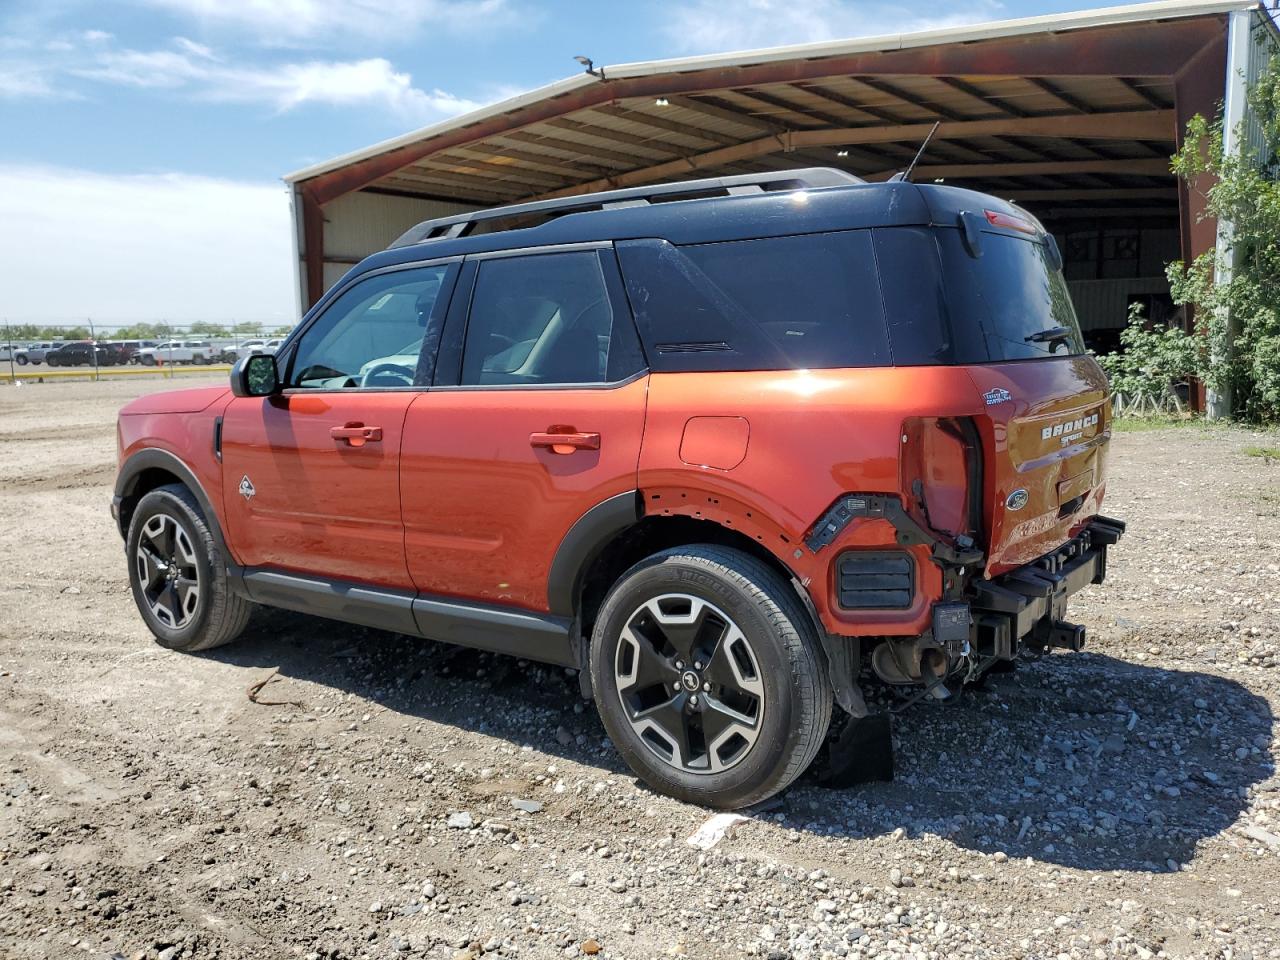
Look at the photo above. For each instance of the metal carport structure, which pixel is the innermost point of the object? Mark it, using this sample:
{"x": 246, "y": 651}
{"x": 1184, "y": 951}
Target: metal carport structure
{"x": 1072, "y": 115}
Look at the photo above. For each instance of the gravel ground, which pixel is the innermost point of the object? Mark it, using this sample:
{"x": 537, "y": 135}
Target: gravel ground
{"x": 418, "y": 800}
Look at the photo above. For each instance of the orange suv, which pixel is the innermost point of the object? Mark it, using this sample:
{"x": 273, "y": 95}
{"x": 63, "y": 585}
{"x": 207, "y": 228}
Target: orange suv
{"x": 730, "y": 447}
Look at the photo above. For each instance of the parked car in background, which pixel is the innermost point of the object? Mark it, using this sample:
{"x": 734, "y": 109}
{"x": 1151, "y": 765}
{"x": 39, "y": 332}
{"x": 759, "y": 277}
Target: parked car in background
{"x": 8, "y": 351}
{"x": 177, "y": 351}
{"x": 129, "y": 348}
{"x": 77, "y": 353}
{"x": 116, "y": 353}
{"x": 35, "y": 353}
{"x": 250, "y": 348}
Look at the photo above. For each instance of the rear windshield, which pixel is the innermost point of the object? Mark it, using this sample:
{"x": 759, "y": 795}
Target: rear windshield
{"x": 1012, "y": 297}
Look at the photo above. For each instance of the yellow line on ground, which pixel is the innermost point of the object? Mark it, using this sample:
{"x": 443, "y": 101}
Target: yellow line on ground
{"x": 102, "y": 373}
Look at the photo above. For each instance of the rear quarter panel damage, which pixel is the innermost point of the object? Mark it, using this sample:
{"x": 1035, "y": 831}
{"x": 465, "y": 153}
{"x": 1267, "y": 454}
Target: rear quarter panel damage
{"x": 814, "y": 435}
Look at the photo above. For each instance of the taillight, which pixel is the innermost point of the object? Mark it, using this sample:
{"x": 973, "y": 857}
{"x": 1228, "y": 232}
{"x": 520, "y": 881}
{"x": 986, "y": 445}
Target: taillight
{"x": 941, "y": 473}
{"x": 1010, "y": 222}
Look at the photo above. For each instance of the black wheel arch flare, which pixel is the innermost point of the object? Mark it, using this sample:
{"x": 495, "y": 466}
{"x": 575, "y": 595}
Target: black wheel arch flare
{"x": 130, "y": 487}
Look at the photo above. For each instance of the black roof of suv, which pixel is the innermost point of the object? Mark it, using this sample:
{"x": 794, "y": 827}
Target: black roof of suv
{"x": 813, "y": 200}
{"x": 925, "y": 291}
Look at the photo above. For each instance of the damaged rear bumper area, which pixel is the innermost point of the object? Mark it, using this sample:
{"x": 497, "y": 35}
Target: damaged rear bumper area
{"x": 1027, "y": 606}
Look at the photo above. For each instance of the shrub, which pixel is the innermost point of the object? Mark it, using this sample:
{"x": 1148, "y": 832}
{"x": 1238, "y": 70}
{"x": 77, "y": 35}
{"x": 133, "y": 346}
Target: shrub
{"x": 1145, "y": 373}
{"x": 1238, "y": 302}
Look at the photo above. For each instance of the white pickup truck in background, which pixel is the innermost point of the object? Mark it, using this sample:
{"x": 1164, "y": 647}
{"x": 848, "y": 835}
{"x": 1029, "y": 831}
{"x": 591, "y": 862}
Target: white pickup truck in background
{"x": 249, "y": 348}
{"x": 177, "y": 351}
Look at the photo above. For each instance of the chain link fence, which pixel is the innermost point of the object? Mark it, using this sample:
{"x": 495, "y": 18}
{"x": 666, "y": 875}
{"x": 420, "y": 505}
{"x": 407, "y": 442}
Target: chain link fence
{"x": 36, "y": 349}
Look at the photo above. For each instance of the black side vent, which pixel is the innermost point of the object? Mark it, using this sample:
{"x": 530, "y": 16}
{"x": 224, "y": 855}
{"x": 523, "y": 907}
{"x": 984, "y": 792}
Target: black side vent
{"x": 695, "y": 346}
{"x": 876, "y": 580}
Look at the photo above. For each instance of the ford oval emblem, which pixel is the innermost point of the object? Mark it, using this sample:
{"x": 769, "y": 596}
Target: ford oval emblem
{"x": 1017, "y": 500}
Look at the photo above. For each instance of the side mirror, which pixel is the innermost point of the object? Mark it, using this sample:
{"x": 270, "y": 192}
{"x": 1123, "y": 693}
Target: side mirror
{"x": 255, "y": 376}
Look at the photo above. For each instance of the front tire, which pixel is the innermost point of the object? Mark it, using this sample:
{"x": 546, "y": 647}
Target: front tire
{"x": 709, "y": 677}
{"x": 178, "y": 575}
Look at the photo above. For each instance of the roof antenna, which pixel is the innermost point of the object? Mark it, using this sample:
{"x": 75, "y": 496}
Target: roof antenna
{"x": 906, "y": 174}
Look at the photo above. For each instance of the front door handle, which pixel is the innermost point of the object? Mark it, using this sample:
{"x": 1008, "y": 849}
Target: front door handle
{"x": 356, "y": 434}
{"x": 565, "y": 440}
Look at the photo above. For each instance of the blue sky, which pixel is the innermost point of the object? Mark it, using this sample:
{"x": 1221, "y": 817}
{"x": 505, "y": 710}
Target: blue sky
{"x": 137, "y": 130}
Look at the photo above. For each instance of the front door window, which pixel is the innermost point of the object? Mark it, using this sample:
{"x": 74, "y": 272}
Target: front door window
{"x": 373, "y": 334}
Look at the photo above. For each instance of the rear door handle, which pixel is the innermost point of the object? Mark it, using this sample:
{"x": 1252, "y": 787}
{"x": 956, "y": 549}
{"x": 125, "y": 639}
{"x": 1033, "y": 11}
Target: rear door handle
{"x": 565, "y": 442}
{"x": 356, "y": 434}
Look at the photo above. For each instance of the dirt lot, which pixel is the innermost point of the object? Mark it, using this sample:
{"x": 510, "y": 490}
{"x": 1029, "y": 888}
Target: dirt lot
{"x": 1120, "y": 802}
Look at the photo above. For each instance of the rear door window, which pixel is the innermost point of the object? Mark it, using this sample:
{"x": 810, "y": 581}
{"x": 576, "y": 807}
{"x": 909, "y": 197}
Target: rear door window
{"x": 546, "y": 318}
{"x": 799, "y": 302}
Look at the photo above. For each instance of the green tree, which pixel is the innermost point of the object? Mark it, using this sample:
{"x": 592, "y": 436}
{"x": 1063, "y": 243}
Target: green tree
{"x": 1238, "y": 301}
{"x": 1152, "y": 362}
{"x": 203, "y": 328}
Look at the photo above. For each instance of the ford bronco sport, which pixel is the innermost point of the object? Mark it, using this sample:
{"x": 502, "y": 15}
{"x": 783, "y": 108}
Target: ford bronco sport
{"x": 718, "y": 445}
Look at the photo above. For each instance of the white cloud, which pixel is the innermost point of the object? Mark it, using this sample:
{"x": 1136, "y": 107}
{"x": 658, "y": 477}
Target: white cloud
{"x": 709, "y": 26}
{"x": 275, "y": 22}
{"x": 22, "y": 81}
{"x": 151, "y": 68}
{"x": 200, "y": 73}
{"x": 123, "y": 248}
{"x": 195, "y": 49}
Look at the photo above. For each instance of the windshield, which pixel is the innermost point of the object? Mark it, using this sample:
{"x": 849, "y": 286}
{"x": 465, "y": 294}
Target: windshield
{"x": 1012, "y": 298}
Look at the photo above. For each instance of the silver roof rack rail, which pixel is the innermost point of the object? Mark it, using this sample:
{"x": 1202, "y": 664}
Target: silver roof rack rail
{"x": 462, "y": 224}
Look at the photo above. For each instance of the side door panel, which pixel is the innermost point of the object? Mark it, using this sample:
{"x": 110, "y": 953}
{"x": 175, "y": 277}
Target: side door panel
{"x": 488, "y": 493}
{"x": 312, "y": 475}
{"x": 313, "y": 503}
{"x": 484, "y": 509}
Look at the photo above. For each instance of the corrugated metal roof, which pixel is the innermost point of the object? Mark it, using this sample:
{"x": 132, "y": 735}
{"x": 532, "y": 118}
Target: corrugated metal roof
{"x": 1055, "y": 23}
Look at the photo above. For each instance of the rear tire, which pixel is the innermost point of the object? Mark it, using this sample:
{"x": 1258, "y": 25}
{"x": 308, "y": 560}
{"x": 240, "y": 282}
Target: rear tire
{"x": 178, "y": 575}
{"x": 754, "y": 703}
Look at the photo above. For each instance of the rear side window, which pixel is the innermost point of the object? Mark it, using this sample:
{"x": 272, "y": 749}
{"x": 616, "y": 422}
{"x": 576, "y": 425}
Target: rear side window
{"x": 915, "y": 300}
{"x": 798, "y": 302}
{"x": 1012, "y": 297}
{"x": 546, "y": 319}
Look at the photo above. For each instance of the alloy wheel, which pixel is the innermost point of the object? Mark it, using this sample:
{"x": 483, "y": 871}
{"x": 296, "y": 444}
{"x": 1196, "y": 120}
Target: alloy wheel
{"x": 167, "y": 571}
{"x": 690, "y": 683}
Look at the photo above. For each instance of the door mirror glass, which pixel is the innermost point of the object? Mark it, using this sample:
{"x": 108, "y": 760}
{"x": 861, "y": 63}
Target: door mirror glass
{"x": 255, "y": 376}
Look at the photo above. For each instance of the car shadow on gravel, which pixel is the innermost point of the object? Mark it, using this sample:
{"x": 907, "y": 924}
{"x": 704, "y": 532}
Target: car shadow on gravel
{"x": 499, "y": 696}
{"x": 1084, "y": 760}
{"x": 1081, "y": 760}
